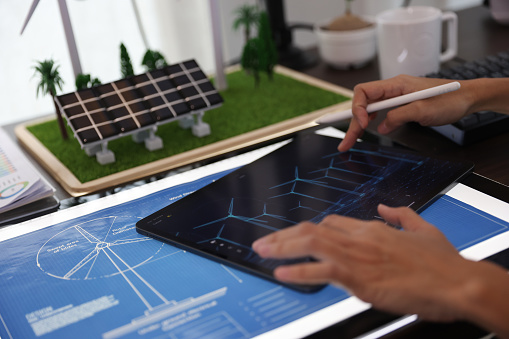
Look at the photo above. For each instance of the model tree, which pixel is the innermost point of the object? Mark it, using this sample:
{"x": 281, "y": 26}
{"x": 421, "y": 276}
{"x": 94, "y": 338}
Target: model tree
{"x": 260, "y": 54}
{"x": 250, "y": 60}
{"x": 49, "y": 81}
{"x": 268, "y": 52}
{"x": 153, "y": 60}
{"x": 86, "y": 81}
{"x": 126, "y": 67}
{"x": 246, "y": 16}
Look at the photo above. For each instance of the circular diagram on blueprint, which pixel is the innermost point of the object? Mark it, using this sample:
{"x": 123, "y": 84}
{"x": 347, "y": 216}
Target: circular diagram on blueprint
{"x": 97, "y": 248}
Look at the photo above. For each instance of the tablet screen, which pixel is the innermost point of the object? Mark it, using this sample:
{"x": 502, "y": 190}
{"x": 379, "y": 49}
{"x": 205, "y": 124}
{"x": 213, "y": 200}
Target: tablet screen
{"x": 306, "y": 179}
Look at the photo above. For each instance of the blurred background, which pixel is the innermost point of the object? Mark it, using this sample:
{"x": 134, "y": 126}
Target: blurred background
{"x": 179, "y": 29}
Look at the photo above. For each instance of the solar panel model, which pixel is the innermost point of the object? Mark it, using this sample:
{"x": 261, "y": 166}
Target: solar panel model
{"x": 137, "y": 105}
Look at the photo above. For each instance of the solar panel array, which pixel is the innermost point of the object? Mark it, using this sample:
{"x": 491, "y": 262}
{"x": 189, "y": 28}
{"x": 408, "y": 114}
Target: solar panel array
{"x": 138, "y": 103}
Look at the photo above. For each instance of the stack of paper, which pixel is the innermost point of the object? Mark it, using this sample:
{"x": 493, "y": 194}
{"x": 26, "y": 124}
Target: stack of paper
{"x": 20, "y": 183}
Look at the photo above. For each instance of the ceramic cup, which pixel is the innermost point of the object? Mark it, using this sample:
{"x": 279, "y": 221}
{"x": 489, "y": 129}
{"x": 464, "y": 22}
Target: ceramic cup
{"x": 410, "y": 40}
{"x": 347, "y": 49}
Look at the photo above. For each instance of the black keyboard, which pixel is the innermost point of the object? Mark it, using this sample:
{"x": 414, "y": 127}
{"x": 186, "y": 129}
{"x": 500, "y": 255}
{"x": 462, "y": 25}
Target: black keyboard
{"x": 480, "y": 125}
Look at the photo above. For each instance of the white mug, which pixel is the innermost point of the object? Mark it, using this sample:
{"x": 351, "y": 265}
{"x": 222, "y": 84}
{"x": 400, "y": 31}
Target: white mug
{"x": 410, "y": 40}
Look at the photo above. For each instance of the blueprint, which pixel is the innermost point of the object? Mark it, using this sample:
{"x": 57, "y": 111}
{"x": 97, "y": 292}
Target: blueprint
{"x": 93, "y": 276}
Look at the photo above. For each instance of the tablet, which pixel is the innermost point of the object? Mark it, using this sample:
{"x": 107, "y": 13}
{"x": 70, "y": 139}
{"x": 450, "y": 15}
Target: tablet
{"x": 307, "y": 179}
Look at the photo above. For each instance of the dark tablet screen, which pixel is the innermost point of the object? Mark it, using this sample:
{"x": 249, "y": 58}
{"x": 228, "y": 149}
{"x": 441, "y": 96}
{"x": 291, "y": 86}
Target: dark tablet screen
{"x": 306, "y": 179}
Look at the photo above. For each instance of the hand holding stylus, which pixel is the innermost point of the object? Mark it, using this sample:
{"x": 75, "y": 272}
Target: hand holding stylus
{"x": 393, "y": 102}
{"x": 419, "y": 101}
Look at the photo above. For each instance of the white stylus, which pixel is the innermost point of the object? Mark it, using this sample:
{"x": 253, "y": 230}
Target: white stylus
{"x": 392, "y": 102}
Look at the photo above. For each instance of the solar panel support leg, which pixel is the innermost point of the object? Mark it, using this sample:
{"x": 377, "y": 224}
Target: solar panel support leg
{"x": 141, "y": 136}
{"x": 153, "y": 142}
{"x": 105, "y": 156}
{"x": 186, "y": 122}
{"x": 92, "y": 150}
{"x": 200, "y": 128}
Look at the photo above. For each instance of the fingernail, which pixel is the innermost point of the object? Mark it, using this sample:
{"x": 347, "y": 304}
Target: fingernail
{"x": 260, "y": 247}
{"x": 382, "y": 128}
{"x": 263, "y": 250}
{"x": 282, "y": 273}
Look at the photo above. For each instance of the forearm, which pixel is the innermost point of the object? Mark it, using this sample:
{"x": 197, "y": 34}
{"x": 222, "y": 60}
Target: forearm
{"x": 488, "y": 94}
{"x": 484, "y": 298}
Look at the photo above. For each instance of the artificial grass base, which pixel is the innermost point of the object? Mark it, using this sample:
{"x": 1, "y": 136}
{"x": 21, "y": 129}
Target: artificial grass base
{"x": 245, "y": 109}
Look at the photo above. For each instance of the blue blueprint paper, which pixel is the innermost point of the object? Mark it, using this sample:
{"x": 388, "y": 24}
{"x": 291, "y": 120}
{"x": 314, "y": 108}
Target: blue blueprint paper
{"x": 94, "y": 276}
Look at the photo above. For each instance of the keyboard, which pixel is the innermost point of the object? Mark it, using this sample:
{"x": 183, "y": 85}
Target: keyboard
{"x": 480, "y": 125}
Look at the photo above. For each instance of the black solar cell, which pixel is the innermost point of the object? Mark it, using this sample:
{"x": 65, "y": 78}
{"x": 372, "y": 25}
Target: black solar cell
{"x": 181, "y": 80}
{"x": 198, "y": 75}
{"x": 214, "y": 99}
{"x": 107, "y": 130}
{"x": 130, "y": 94}
{"x": 165, "y": 85}
{"x": 119, "y": 112}
{"x": 125, "y": 125}
{"x": 93, "y": 105}
{"x": 67, "y": 99}
{"x": 145, "y": 119}
{"x": 86, "y": 94}
{"x": 181, "y": 108}
{"x": 188, "y": 92}
{"x": 163, "y": 113}
{"x": 196, "y": 103}
{"x": 206, "y": 87}
{"x": 147, "y": 90}
{"x": 137, "y": 107}
{"x": 111, "y": 99}
{"x": 80, "y": 122}
{"x": 104, "y": 89}
{"x": 173, "y": 96}
{"x": 87, "y": 136}
{"x": 74, "y": 110}
{"x": 155, "y": 101}
{"x": 99, "y": 117}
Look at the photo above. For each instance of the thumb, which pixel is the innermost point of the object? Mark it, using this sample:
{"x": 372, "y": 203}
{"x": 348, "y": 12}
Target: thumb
{"x": 404, "y": 217}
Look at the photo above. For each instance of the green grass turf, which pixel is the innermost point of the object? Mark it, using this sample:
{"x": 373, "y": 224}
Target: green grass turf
{"x": 245, "y": 108}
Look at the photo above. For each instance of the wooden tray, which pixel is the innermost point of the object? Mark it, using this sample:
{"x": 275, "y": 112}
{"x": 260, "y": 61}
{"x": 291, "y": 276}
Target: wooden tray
{"x": 76, "y": 188}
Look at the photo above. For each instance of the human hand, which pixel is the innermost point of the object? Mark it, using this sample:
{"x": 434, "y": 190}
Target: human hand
{"x": 439, "y": 110}
{"x": 415, "y": 270}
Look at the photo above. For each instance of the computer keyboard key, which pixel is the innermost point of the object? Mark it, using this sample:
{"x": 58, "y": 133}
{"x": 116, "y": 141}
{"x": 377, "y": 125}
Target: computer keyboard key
{"x": 504, "y": 55}
{"x": 497, "y": 75}
{"x": 468, "y": 121}
{"x": 485, "y": 116}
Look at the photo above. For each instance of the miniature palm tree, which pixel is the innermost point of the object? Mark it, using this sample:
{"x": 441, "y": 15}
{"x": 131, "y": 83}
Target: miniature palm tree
{"x": 247, "y": 16}
{"x": 126, "y": 67}
{"x": 49, "y": 81}
{"x": 153, "y": 60}
{"x": 86, "y": 81}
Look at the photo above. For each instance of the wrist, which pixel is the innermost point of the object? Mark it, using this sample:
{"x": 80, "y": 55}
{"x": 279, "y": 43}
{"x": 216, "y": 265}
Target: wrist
{"x": 487, "y": 94}
{"x": 483, "y": 298}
